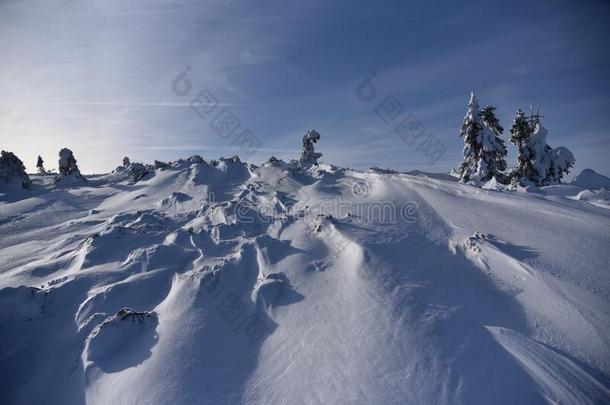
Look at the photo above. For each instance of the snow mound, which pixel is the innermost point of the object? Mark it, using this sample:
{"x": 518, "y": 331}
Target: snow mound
{"x": 494, "y": 184}
{"x": 12, "y": 172}
{"x": 123, "y": 340}
{"x": 275, "y": 290}
{"x": 600, "y": 198}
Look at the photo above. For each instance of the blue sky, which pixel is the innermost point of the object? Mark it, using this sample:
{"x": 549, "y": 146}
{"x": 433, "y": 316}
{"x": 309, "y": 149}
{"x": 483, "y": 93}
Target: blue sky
{"x": 96, "y": 76}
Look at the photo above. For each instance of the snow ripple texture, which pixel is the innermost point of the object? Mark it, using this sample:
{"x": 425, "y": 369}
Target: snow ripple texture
{"x": 229, "y": 283}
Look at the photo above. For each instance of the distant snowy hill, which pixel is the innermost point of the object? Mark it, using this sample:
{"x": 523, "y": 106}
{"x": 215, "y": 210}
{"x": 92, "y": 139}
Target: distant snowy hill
{"x": 591, "y": 180}
{"x": 223, "y": 282}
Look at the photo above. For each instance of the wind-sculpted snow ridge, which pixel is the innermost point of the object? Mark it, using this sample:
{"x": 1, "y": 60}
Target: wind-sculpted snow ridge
{"x": 224, "y": 282}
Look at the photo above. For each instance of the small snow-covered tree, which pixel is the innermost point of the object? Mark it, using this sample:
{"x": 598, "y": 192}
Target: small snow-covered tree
{"x": 538, "y": 163}
{"x": 40, "y": 165}
{"x": 126, "y": 161}
{"x": 67, "y": 164}
{"x": 12, "y": 170}
{"x": 309, "y": 157}
{"x": 484, "y": 153}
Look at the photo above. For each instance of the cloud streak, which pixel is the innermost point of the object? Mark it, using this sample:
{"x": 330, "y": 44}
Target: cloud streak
{"x": 106, "y": 104}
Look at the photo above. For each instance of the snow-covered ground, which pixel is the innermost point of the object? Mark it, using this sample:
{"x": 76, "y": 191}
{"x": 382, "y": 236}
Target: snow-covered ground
{"x": 204, "y": 284}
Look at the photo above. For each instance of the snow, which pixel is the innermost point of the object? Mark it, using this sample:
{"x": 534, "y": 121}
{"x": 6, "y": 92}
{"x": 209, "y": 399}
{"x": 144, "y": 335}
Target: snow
{"x": 591, "y": 180}
{"x": 225, "y": 282}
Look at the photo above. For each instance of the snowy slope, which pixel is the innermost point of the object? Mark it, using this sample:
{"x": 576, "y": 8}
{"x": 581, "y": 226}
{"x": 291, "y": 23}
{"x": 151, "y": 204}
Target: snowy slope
{"x": 242, "y": 284}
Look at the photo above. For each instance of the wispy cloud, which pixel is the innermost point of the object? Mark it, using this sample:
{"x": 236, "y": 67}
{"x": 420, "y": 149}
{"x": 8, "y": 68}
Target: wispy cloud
{"x": 104, "y": 104}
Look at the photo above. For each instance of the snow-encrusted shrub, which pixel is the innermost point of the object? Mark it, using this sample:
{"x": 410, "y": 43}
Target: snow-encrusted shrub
{"x": 309, "y": 157}
{"x": 377, "y": 169}
{"x": 484, "y": 151}
{"x": 129, "y": 314}
{"x": 12, "y": 170}
{"x": 538, "y": 163}
{"x": 137, "y": 171}
{"x": 67, "y": 165}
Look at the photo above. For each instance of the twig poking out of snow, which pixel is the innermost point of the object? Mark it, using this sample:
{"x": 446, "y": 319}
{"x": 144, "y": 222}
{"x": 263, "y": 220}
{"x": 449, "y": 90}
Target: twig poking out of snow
{"x": 471, "y": 242}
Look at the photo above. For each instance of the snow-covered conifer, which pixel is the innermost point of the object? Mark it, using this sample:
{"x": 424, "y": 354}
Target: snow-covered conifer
{"x": 538, "y": 163}
{"x": 549, "y": 164}
{"x": 12, "y": 170}
{"x": 126, "y": 161}
{"x": 484, "y": 153}
{"x": 490, "y": 120}
{"x": 561, "y": 163}
{"x": 40, "y": 165}
{"x": 471, "y": 128}
{"x": 67, "y": 164}
{"x": 309, "y": 157}
{"x": 520, "y": 134}
{"x": 493, "y": 149}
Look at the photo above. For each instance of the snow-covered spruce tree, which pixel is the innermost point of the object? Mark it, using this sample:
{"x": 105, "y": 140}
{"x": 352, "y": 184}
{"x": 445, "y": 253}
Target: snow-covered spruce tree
{"x": 538, "y": 163}
{"x": 471, "y": 128}
{"x": 126, "y": 161}
{"x": 40, "y": 165}
{"x": 309, "y": 157}
{"x": 520, "y": 133}
{"x": 12, "y": 170}
{"x": 493, "y": 148}
{"x": 67, "y": 164}
{"x": 484, "y": 151}
{"x": 549, "y": 164}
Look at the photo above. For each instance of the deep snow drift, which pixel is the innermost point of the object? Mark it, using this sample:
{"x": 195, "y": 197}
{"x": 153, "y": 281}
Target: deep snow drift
{"x": 231, "y": 283}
